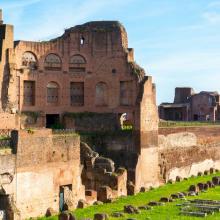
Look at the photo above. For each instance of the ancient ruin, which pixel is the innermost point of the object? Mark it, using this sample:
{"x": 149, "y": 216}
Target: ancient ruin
{"x": 79, "y": 124}
{"x": 191, "y": 106}
{"x": 86, "y": 80}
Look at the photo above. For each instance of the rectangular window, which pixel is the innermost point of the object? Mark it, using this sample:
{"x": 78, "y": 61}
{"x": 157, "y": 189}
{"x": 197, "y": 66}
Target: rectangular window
{"x": 126, "y": 93}
{"x": 29, "y": 93}
{"x": 77, "y": 93}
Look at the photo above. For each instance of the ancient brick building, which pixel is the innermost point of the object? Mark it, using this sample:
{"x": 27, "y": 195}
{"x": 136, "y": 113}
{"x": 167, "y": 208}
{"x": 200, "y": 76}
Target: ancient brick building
{"x": 88, "y": 69}
{"x": 85, "y": 79}
{"x": 191, "y": 106}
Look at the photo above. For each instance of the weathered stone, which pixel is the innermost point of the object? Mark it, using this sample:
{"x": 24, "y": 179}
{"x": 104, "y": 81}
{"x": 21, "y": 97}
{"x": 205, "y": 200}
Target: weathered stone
{"x": 71, "y": 217}
{"x": 192, "y": 193}
{"x": 199, "y": 174}
{"x": 170, "y": 181}
{"x": 182, "y": 194}
{"x": 50, "y": 212}
{"x": 164, "y": 199}
{"x": 117, "y": 214}
{"x": 212, "y": 170}
{"x": 98, "y": 203}
{"x": 200, "y": 186}
{"x": 143, "y": 189}
{"x": 104, "y": 163}
{"x": 216, "y": 180}
{"x": 110, "y": 200}
{"x": 179, "y": 179}
{"x": 130, "y": 189}
{"x": 193, "y": 188}
{"x": 104, "y": 193}
{"x": 152, "y": 203}
{"x": 206, "y": 172}
{"x": 174, "y": 196}
{"x": 210, "y": 184}
{"x": 205, "y": 186}
{"x": 101, "y": 216}
{"x": 145, "y": 207}
{"x": 131, "y": 209}
{"x": 82, "y": 204}
{"x": 63, "y": 216}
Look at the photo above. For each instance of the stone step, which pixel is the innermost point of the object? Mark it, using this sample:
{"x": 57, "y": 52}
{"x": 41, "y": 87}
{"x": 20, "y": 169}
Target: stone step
{"x": 197, "y": 214}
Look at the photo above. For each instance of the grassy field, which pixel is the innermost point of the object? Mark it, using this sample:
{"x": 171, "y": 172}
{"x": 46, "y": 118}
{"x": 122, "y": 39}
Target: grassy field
{"x": 168, "y": 212}
{"x": 187, "y": 123}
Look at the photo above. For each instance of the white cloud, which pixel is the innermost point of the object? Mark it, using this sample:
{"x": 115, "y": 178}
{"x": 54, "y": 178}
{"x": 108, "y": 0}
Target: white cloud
{"x": 53, "y": 20}
{"x": 212, "y": 17}
{"x": 214, "y": 4}
{"x": 188, "y": 63}
{"x": 18, "y": 4}
{"x": 200, "y": 70}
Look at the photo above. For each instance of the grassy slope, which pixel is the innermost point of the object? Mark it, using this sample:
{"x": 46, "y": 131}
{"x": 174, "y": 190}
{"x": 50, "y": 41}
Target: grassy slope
{"x": 169, "y": 211}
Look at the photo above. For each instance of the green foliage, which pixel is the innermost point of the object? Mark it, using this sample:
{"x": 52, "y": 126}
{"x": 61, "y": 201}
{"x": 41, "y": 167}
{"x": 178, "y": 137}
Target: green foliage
{"x": 187, "y": 123}
{"x": 30, "y": 130}
{"x": 57, "y": 126}
{"x": 136, "y": 69}
{"x": 4, "y": 137}
{"x": 170, "y": 211}
{"x": 32, "y": 114}
{"x": 127, "y": 127}
{"x": 81, "y": 115}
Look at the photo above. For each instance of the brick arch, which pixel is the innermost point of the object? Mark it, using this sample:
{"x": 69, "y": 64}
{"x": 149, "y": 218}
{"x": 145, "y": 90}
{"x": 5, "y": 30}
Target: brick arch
{"x": 77, "y": 59}
{"x": 53, "y": 62}
{"x": 29, "y": 60}
{"x": 77, "y": 64}
{"x": 101, "y": 94}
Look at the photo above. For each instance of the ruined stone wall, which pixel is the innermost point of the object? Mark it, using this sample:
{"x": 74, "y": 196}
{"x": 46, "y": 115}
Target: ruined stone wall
{"x": 205, "y": 134}
{"x": 105, "y": 51}
{"x": 185, "y": 151}
{"x": 146, "y": 136}
{"x": 43, "y": 163}
{"x": 90, "y": 122}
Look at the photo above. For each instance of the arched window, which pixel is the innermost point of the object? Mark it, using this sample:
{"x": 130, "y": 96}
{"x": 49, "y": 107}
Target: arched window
{"x": 101, "y": 94}
{"x": 52, "y": 93}
{"x": 29, "y": 60}
{"x": 53, "y": 62}
{"x": 77, "y": 64}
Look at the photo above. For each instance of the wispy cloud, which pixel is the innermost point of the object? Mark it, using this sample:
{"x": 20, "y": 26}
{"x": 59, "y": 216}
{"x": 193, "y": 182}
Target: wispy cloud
{"x": 18, "y": 4}
{"x": 212, "y": 17}
{"x": 53, "y": 20}
{"x": 214, "y": 4}
{"x": 196, "y": 62}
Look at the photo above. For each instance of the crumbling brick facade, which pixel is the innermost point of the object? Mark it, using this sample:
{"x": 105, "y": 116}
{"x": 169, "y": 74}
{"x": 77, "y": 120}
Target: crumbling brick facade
{"x": 88, "y": 69}
{"x": 87, "y": 80}
{"x": 191, "y": 106}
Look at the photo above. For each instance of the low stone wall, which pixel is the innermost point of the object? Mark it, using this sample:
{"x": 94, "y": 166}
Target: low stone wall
{"x": 186, "y": 151}
{"x": 9, "y": 121}
{"x": 204, "y": 134}
{"x": 43, "y": 165}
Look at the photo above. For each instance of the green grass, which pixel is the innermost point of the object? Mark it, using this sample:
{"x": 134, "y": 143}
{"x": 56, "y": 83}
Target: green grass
{"x": 168, "y": 212}
{"x": 187, "y": 123}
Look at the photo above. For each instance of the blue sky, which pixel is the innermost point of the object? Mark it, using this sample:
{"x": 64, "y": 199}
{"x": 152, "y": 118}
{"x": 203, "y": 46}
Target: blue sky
{"x": 176, "y": 41}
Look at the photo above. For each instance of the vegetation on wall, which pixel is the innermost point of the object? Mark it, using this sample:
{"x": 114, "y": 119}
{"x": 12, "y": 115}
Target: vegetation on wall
{"x": 168, "y": 211}
{"x": 137, "y": 70}
{"x": 187, "y": 123}
{"x": 31, "y": 114}
{"x": 81, "y": 115}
